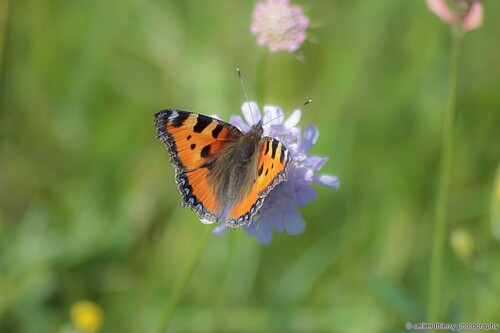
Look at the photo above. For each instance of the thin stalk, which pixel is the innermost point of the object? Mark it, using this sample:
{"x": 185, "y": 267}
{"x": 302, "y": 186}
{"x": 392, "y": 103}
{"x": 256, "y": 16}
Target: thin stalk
{"x": 440, "y": 216}
{"x": 4, "y": 20}
{"x": 184, "y": 280}
{"x": 261, "y": 78}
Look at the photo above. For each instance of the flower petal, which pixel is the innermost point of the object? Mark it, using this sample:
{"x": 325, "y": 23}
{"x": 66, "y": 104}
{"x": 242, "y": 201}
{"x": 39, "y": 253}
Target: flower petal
{"x": 273, "y": 115}
{"x": 277, "y": 130}
{"x": 262, "y": 231}
{"x": 219, "y": 230}
{"x": 240, "y": 123}
{"x": 315, "y": 162}
{"x": 293, "y": 120}
{"x": 441, "y": 9}
{"x": 294, "y": 222}
{"x": 474, "y": 17}
{"x": 311, "y": 133}
{"x": 304, "y": 194}
{"x": 309, "y": 138}
{"x": 279, "y": 224}
{"x": 251, "y": 112}
{"x": 330, "y": 181}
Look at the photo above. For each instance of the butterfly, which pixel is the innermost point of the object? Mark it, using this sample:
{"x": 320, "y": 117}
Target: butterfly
{"x": 222, "y": 173}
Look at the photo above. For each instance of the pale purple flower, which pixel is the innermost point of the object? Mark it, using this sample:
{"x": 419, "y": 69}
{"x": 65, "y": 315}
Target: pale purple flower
{"x": 466, "y": 14}
{"x": 279, "y": 211}
{"x": 279, "y": 25}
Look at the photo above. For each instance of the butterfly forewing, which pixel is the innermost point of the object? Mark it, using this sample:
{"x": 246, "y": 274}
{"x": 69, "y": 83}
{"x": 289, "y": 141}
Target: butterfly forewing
{"x": 192, "y": 141}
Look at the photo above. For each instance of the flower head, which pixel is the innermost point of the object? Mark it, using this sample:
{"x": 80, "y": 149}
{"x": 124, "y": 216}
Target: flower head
{"x": 279, "y": 25}
{"x": 467, "y": 14}
{"x": 279, "y": 209}
{"x": 86, "y": 315}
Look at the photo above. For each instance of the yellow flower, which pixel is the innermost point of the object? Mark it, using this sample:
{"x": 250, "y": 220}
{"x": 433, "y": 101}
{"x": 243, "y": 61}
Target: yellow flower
{"x": 86, "y": 315}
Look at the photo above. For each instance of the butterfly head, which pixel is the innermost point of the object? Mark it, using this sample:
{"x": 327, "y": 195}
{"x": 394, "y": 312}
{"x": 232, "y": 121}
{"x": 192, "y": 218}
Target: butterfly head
{"x": 250, "y": 142}
{"x": 258, "y": 128}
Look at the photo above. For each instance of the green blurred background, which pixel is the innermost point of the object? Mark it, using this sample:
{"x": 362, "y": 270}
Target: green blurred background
{"x": 89, "y": 206}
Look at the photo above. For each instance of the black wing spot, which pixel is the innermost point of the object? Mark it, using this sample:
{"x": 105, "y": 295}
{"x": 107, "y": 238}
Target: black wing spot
{"x": 189, "y": 137}
{"x": 267, "y": 147}
{"x": 261, "y": 169}
{"x": 205, "y": 152}
{"x": 272, "y": 166}
{"x": 180, "y": 119}
{"x": 267, "y": 170}
{"x": 193, "y": 146}
{"x": 274, "y": 148}
{"x": 201, "y": 123}
{"x": 282, "y": 155}
{"x": 216, "y": 131}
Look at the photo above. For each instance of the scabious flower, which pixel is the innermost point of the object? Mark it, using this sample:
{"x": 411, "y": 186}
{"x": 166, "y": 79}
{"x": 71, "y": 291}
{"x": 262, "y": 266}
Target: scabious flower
{"x": 466, "y": 14}
{"x": 279, "y": 209}
{"x": 279, "y": 25}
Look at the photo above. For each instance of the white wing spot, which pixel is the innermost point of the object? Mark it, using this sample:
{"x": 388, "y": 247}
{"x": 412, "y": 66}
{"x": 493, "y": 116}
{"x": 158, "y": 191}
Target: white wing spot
{"x": 173, "y": 115}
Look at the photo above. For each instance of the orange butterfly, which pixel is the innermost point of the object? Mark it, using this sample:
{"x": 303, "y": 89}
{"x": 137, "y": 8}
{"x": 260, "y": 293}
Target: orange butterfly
{"x": 222, "y": 173}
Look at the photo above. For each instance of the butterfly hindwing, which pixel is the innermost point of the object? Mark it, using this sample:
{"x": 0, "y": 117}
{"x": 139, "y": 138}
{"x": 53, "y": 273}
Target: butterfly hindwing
{"x": 272, "y": 169}
{"x": 192, "y": 141}
{"x": 199, "y": 195}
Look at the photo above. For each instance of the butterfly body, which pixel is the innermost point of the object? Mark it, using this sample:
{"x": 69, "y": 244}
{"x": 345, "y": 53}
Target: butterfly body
{"x": 221, "y": 172}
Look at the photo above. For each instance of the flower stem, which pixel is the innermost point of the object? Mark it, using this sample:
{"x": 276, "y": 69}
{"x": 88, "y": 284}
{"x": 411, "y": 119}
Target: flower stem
{"x": 4, "y": 21}
{"x": 261, "y": 78}
{"x": 440, "y": 217}
{"x": 184, "y": 280}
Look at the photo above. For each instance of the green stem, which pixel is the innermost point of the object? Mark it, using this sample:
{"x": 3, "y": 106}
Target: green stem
{"x": 261, "y": 78}
{"x": 433, "y": 308}
{"x": 184, "y": 280}
{"x": 4, "y": 20}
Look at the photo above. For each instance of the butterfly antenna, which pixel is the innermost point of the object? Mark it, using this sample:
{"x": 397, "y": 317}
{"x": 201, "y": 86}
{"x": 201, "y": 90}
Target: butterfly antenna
{"x": 245, "y": 93}
{"x": 295, "y": 108}
{"x": 309, "y": 101}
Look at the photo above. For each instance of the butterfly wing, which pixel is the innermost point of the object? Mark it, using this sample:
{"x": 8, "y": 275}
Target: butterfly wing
{"x": 193, "y": 141}
{"x": 272, "y": 168}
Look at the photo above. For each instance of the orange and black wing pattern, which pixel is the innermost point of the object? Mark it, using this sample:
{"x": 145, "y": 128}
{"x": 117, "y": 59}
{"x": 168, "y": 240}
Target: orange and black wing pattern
{"x": 193, "y": 141}
{"x": 272, "y": 168}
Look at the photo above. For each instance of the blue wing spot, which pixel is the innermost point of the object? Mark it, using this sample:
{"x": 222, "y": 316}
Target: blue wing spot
{"x": 199, "y": 206}
{"x": 258, "y": 202}
{"x": 191, "y": 200}
{"x": 182, "y": 181}
{"x": 240, "y": 219}
{"x": 187, "y": 190}
{"x": 252, "y": 209}
{"x": 246, "y": 217}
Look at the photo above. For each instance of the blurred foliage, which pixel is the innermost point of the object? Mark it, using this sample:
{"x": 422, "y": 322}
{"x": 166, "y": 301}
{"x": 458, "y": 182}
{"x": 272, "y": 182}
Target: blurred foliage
{"x": 89, "y": 209}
